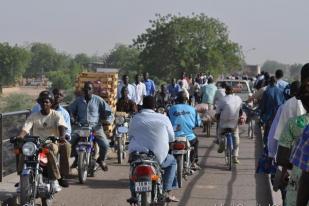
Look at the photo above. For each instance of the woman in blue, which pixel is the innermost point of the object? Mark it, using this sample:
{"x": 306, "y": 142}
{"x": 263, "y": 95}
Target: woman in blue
{"x": 184, "y": 119}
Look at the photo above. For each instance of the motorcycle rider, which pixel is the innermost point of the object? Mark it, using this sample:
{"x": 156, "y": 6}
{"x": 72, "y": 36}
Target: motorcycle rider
{"x": 152, "y": 132}
{"x": 45, "y": 123}
{"x": 91, "y": 110}
{"x": 64, "y": 146}
{"x": 184, "y": 119}
{"x": 228, "y": 111}
{"x": 124, "y": 104}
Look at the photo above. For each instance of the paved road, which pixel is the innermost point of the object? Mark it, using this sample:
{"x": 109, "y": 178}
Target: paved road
{"x": 212, "y": 185}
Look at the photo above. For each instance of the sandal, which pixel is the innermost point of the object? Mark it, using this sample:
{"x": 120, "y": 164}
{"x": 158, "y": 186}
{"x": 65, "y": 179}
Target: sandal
{"x": 171, "y": 199}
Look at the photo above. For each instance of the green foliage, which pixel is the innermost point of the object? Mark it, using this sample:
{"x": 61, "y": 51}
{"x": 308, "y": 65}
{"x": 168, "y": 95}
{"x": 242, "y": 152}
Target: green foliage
{"x": 44, "y": 59}
{"x": 271, "y": 66}
{"x": 291, "y": 72}
{"x": 13, "y": 62}
{"x": 124, "y": 58}
{"x": 60, "y": 79}
{"x": 193, "y": 44}
{"x": 16, "y": 102}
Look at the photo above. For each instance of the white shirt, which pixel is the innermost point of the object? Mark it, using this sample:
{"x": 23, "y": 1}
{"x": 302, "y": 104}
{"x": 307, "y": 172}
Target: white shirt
{"x": 153, "y": 131}
{"x": 131, "y": 91}
{"x": 291, "y": 108}
{"x": 228, "y": 108}
{"x": 140, "y": 92}
{"x": 220, "y": 93}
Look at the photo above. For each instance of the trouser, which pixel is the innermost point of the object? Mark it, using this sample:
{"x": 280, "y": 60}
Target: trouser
{"x": 52, "y": 168}
{"x": 235, "y": 134}
{"x": 169, "y": 166}
{"x": 194, "y": 153}
{"x": 64, "y": 158}
{"x": 303, "y": 191}
{"x": 100, "y": 139}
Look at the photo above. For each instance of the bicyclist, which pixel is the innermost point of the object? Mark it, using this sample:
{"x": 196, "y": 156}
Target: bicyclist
{"x": 228, "y": 111}
{"x": 184, "y": 119}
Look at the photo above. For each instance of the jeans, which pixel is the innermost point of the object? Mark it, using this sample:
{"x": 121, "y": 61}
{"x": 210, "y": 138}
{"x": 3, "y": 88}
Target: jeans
{"x": 235, "y": 139}
{"x": 169, "y": 167}
{"x": 100, "y": 139}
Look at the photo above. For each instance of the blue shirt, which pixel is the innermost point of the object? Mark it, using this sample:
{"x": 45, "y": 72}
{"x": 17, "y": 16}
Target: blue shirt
{"x": 281, "y": 84}
{"x": 62, "y": 111}
{"x": 173, "y": 89}
{"x": 185, "y": 118}
{"x": 92, "y": 112}
{"x": 208, "y": 93}
{"x": 150, "y": 87}
{"x": 272, "y": 98}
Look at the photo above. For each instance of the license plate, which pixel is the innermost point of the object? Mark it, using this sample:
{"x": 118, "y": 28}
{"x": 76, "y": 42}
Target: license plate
{"x": 143, "y": 186}
{"x": 178, "y": 151}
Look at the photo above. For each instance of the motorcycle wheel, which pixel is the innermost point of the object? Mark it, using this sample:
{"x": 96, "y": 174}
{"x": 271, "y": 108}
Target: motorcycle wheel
{"x": 145, "y": 199}
{"x": 82, "y": 167}
{"x": 47, "y": 201}
{"x": 179, "y": 159}
{"x": 119, "y": 151}
{"x": 26, "y": 190}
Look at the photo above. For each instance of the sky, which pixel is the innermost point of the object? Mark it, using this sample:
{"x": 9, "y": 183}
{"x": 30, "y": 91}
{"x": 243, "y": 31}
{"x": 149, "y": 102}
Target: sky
{"x": 266, "y": 29}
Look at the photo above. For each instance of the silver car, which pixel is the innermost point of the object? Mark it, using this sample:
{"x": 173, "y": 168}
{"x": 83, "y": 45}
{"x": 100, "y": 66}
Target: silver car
{"x": 240, "y": 87}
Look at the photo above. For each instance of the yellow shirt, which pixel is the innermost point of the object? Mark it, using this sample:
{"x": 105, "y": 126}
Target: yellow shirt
{"x": 44, "y": 125}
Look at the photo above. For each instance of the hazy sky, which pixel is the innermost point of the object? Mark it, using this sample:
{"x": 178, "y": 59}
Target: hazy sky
{"x": 278, "y": 29}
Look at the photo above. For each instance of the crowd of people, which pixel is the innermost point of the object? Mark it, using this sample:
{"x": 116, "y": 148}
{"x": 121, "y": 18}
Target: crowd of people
{"x": 283, "y": 117}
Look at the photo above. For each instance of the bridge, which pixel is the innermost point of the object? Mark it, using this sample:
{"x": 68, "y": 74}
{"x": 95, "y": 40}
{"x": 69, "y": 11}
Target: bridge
{"x": 213, "y": 185}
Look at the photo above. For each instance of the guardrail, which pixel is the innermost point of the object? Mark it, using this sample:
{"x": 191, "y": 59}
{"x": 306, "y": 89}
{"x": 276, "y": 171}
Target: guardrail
{"x": 10, "y": 124}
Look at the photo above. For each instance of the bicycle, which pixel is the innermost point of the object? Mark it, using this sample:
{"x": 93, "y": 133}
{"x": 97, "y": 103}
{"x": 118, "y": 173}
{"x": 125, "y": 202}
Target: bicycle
{"x": 228, "y": 147}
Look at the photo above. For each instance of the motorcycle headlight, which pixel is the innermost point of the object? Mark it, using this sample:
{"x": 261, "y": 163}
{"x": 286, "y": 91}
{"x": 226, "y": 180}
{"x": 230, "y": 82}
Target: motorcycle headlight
{"x": 119, "y": 120}
{"x": 29, "y": 148}
{"x": 83, "y": 133}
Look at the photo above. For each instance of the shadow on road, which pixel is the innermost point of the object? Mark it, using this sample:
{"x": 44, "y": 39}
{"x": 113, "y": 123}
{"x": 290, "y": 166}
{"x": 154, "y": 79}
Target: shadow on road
{"x": 228, "y": 199}
{"x": 187, "y": 193}
{"x": 106, "y": 184}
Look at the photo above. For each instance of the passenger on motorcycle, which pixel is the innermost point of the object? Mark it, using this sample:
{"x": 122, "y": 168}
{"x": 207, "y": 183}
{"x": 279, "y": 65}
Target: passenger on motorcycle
{"x": 91, "y": 110}
{"x": 45, "y": 123}
{"x": 162, "y": 97}
{"x": 228, "y": 112}
{"x": 184, "y": 119}
{"x": 65, "y": 146}
{"x": 152, "y": 132}
{"x": 124, "y": 104}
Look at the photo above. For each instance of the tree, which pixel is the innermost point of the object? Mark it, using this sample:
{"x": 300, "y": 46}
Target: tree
{"x": 44, "y": 59}
{"x": 123, "y": 57}
{"x": 295, "y": 71}
{"x": 13, "y": 63}
{"x": 192, "y": 44}
{"x": 60, "y": 79}
{"x": 271, "y": 66}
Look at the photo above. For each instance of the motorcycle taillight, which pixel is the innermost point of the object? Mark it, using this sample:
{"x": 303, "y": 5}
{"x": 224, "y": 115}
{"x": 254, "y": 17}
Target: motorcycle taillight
{"x": 179, "y": 146}
{"x": 145, "y": 171}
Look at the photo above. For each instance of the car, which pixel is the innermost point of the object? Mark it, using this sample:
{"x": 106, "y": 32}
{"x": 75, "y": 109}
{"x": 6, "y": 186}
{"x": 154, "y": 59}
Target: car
{"x": 240, "y": 87}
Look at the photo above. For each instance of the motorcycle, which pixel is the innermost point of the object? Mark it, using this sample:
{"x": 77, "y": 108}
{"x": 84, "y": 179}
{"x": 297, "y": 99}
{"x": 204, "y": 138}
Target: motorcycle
{"x": 121, "y": 135}
{"x": 146, "y": 174}
{"x": 86, "y": 149}
{"x": 34, "y": 181}
{"x": 181, "y": 150}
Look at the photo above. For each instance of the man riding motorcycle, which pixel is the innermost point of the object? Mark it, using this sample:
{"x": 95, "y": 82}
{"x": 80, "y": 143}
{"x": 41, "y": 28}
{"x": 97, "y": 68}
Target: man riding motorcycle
{"x": 91, "y": 110}
{"x": 152, "y": 132}
{"x": 184, "y": 119}
{"x": 124, "y": 104}
{"x": 46, "y": 123}
{"x": 65, "y": 146}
